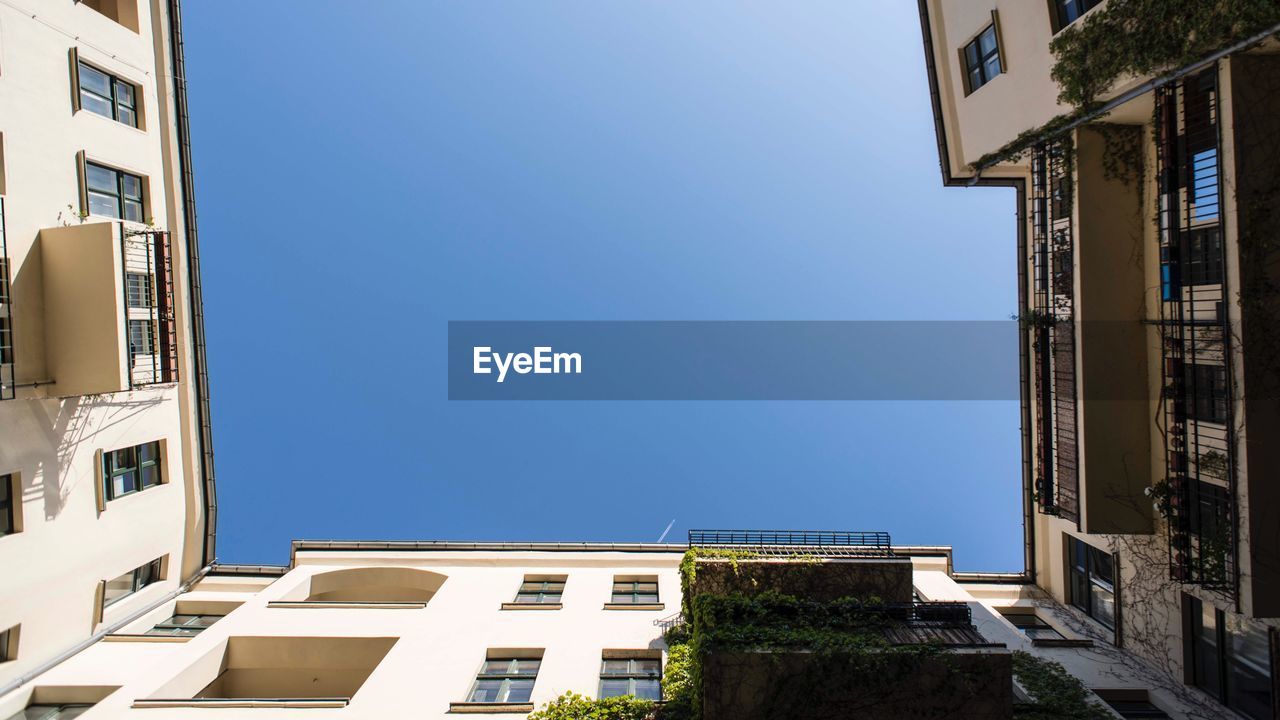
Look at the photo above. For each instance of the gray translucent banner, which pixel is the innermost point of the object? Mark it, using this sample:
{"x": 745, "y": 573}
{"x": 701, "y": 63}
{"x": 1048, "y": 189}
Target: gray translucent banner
{"x": 733, "y": 360}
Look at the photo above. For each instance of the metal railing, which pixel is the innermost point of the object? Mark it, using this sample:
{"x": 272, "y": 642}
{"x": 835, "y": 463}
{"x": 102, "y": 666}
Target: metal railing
{"x": 1053, "y": 331}
{"x": 150, "y": 327}
{"x": 1195, "y": 336}
{"x": 790, "y": 542}
{"x": 7, "y": 380}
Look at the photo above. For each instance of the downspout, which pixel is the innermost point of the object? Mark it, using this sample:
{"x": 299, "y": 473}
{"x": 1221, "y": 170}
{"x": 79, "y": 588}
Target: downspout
{"x": 48, "y": 665}
{"x": 201, "y": 380}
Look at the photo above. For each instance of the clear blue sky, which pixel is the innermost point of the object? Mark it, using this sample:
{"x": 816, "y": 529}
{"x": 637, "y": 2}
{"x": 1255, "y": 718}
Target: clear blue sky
{"x": 367, "y": 172}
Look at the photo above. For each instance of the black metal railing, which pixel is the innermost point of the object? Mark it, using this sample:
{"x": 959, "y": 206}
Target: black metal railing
{"x": 1195, "y": 337}
{"x": 6, "y": 319}
{"x": 150, "y": 324}
{"x": 787, "y": 542}
{"x": 1051, "y": 322}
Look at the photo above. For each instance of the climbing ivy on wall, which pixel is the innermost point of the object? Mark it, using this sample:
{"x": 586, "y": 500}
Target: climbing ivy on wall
{"x": 1056, "y": 695}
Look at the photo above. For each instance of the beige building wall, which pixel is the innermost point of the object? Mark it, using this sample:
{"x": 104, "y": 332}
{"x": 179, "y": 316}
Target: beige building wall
{"x": 73, "y": 400}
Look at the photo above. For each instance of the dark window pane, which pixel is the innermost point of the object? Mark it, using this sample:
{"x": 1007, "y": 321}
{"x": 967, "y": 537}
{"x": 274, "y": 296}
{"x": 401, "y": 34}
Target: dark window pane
{"x": 131, "y": 185}
{"x": 94, "y": 81}
{"x": 987, "y": 41}
{"x": 519, "y": 691}
{"x": 133, "y": 211}
{"x": 124, "y": 93}
{"x": 614, "y": 688}
{"x": 486, "y": 691}
{"x": 648, "y": 689}
{"x": 1248, "y": 669}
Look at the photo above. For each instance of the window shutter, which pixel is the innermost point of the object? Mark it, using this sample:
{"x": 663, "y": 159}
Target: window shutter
{"x": 84, "y": 182}
{"x": 1004, "y": 57}
{"x": 99, "y": 596}
{"x": 99, "y": 482}
{"x": 75, "y": 79}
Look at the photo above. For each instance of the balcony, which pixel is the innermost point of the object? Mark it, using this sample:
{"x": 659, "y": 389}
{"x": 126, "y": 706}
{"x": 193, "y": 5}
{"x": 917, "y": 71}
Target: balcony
{"x": 109, "y": 309}
{"x": 803, "y": 624}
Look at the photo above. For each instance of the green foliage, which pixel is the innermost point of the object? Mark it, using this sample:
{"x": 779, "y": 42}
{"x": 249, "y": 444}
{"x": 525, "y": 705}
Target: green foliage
{"x": 689, "y": 568}
{"x": 1142, "y": 37}
{"x": 680, "y": 678}
{"x": 1057, "y": 695}
{"x": 572, "y": 706}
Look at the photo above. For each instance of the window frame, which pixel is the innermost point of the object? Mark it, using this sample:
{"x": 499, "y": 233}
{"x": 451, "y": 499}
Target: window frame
{"x": 141, "y": 577}
{"x": 1207, "y": 393}
{"x": 504, "y": 692}
{"x": 119, "y": 195}
{"x": 633, "y": 595}
{"x": 982, "y": 59}
{"x": 543, "y": 596}
{"x": 1013, "y": 614}
{"x": 1081, "y": 572}
{"x": 195, "y": 629}
{"x": 114, "y": 100}
{"x": 110, "y": 470}
{"x": 8, "y": 506}
{"x": 1056, "y": 12}
{"x": 1223, "y": 660}
{"x": 632, "y": 675}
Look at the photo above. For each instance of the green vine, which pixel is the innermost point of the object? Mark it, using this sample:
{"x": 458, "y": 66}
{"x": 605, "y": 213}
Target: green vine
{"x": 572, "y": 706}
{"x": 1056, "y": 695}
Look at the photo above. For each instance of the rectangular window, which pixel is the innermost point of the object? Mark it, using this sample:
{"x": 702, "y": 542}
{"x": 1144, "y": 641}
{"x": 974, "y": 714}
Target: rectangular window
{"x": 123, "y": 586}
{"x": 1068, "y": 11}
{"x": 183, "y": 625}
{"x": 108, "y": 95}
{"x": 1092, "y": 581}
{"x": 541, "y": 592}
{"x": 1229, "y": 658}
{"x": 6, "y": 638}
{"x": 982, "y": 59}
{"x": 141, "y": 338}
{"x": 505, "y": 680}
{"x": 7, "y": 506}
{"x": 1137, "y": 709}
{"x": 639, "y": 676}
{"x": 1206, "y": 389}
{"x": 635, "y": 592}
{"x": 138, "y": 290}
{"x": 130, "y": 470}
{"x": 1032, "y": 625}
{"x": 1202, "y": 256}
{"x": 113, "y": 193}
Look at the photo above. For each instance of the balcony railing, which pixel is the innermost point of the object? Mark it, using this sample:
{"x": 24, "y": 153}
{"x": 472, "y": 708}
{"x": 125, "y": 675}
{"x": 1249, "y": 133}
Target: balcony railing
{"x": 1053, "y": 331}
{"x": 828, "y": 543}
{"x": 6, "y": 319}
{"x": 1195, "y": 336}
{"x": 150, "y": 329}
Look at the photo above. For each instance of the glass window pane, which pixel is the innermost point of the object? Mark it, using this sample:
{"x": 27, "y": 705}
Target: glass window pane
{"x": 124, "y": 93}
{"x": 646, "y": 599}
{"x": 117, "y": 588}
{"x": 124, "y": 483}
{"x": 971, "y": 54}
{"x": 615, "y": 667}
{"x": 1248, "y": 669}
{"x": 95, "y": 104}
{"x": 496, "y": 667}
{"x": 987, "y": 41}
{"x": 527, "y": 598}
{"x": 128, "y": 117}
{"x": 94, "y": 81}
{"x": 530, "y": 587}
{"x": 519, "y": 691}
{"x": 648, "y": 667}
{"x": 622, "y": 599}
{"x": 132, "y": 186}
{"x": 992, "y": 66}
{"x": 133, "y": 211}
{"x": 647, "y": 587}
{"x": 486, "y": 691}
{"x": 555, "y": 587}
{"x": 527, "y": 667}
{"x": 648, "y": 689}
{"x": 614, "y": 688}
{"x": 621, "y": 587}
{"x": 150, "y": 476}
{"x": 149, "y": 452}
{"x": 100, "y": 178}
{"x": 104, "y": 205}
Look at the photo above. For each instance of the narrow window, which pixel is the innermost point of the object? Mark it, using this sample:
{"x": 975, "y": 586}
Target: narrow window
{"x": 1032, "y": 625}
{"x": 113, "y": 193}
{"x": 643, "y": 591}
{"x": 541, "y": 591}
{"x": 7, "y": 506}
{"x": 1092, "y": 581}
{"x": 1133, "y": 708}
{"x": 1068, "y": 11}
{"x": 122, "y": 586}
{"x": 52, "y": 712}
{"x": 982, "y": 59}
{"x": 130, "y": 470}
{"x": 7, "y": 650}
{"x": 505, "y": 680}
{"x": 108, "y": 95}
{"x": 141, "y": 338}
{"x": 636, "y": 675}
{"x": 183, "y": 625}
{"x": 1206, "y": 389}
{"x": 138, "y": 290}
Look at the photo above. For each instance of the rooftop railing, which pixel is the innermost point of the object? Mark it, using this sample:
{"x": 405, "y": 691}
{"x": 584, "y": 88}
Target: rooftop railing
{"x": 832, "y": 543}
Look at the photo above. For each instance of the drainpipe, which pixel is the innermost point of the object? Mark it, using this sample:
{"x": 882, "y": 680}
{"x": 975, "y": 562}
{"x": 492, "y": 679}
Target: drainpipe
{"x": 48, "y": 665}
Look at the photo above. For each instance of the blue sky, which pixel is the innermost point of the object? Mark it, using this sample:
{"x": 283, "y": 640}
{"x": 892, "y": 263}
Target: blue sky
{"x": 367, "y": 172}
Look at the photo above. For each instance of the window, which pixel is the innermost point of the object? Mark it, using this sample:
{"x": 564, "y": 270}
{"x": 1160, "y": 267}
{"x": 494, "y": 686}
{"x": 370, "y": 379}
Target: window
{"x": 638, "y": 676}
{"x": 1092, "y": 581}
{"x": 107, "y": 95}
{"x": 51, "y": 712}
{"x": 1068, "y": 11}
{"x": 8, "y": 649}
{"x": 130, "y": 470}
{"x": 8, "y": 506}
{"x": 541, "y": 592}
{"x": 1206, "y": 388}
{"x": 183, "y": 625}
{"x": 982, "y": 59}
{"x": 131, "y": 582}
{"x": 1031, "y": 625}
{"x": 635, "y": 592}
{"x": 138, "y": 290}
{"x": 1136, "y": 709}
{"x": 141, "y": 338}
{"x": 113, "y": 193}
{"x": 1202, "y": 256}
{"x": 1227, "y": 657}
{"x": 505, "y": 680}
